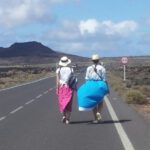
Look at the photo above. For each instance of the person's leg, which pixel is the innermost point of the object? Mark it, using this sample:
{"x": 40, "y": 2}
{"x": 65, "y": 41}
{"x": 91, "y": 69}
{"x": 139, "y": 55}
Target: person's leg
{"x": 64, "y": 116}
{"x": 69, "y": 110}
{"x": 94, "y": 112}
{"x": 68, "y": 114}
{"x": 100, "y": 107}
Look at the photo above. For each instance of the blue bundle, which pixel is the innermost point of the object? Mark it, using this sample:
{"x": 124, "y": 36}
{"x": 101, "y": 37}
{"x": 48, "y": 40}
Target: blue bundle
{"x": 91, "y": 93}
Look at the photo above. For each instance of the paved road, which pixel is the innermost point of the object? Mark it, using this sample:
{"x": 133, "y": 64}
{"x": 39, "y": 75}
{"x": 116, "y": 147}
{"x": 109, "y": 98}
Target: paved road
{"x": 29, "y": 120}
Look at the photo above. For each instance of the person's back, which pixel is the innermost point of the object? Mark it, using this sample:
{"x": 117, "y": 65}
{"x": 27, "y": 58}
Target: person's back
{"x": 64, "y": 74}
{"x": 64, "y": 92}
{"x": 96, "y": 72}
{"x": 91, "y": 94}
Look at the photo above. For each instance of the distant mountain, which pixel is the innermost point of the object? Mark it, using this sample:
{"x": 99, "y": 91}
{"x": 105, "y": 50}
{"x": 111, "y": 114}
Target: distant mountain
{"x": 26, "y": 49}
{"x": 31, "y": 52}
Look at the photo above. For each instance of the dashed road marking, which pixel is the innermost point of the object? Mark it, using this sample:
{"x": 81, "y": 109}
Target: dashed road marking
{"x": 17, "y": 109}
{"x": 121, "y": 132}
{"x": 52, "y": 88}
{"x": 27, "y": 103}
{"x": 39, "y": 96}
{"x": 2, "y": 118}
{"x": 49, "y": 90}
{"x": 45, "y": 92}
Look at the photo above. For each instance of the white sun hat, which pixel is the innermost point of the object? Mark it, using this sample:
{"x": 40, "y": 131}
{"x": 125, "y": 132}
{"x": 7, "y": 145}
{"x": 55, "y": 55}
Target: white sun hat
{"x": 64, "y": 61}
{"x": 95, "y": 57}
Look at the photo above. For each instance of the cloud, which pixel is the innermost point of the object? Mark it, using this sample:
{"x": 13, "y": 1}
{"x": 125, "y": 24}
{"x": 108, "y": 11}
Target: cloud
{"x": 56, "y": 1}
{"x": 85, "y": 37}
{"x": 107, "y": 27}
{"x": 88, "y": 26}
{"x": 18, "y": 12}
{"x": 124, "y": 27}
{"x": 92, "y": 30}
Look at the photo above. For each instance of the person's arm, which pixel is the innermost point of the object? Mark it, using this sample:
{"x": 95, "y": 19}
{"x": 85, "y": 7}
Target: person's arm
{"x": 104, "y": 74}
{"x": 105, "y": 79}
{"x": 57, "y": 80}
{"x": 87, "y": 74}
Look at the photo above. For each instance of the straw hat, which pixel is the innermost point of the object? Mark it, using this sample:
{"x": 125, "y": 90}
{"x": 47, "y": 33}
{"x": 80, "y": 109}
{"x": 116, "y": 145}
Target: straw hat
{"x": 64, "y": 61}
{"x": 95, "y": 57}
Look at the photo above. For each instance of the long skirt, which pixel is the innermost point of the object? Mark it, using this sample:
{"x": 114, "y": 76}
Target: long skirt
{"x": 65, "y": 98}
{"x": 90, "y": 94}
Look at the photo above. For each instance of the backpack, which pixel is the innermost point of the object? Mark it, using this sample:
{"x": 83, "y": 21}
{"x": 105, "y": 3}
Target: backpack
{"x": 72, "y": 82}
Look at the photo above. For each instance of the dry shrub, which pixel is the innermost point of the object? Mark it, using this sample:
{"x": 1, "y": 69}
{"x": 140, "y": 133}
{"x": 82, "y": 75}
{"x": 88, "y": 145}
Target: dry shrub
{"x": 117, "y": 84}
{"x": 1, "y": 81}
{"x": 128, "y": 84}
{"x": 113, "y": 80}
{"x": 135, "y": 97}
{"x": 145, "y": 90}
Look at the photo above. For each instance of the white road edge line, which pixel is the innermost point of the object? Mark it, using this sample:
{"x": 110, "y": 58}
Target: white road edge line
{"x": 123, "y": 136}
{"x": 2, "y": 118}
{"x": 30, "y": 101}
{"x": 25, "y": 84}
{"x": 17, "y": 109}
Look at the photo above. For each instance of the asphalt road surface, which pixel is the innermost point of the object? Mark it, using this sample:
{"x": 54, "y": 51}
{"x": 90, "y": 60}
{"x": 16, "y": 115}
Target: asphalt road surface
{"x": 29, "y": 120}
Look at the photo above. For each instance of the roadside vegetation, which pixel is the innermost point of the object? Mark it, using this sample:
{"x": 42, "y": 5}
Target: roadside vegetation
{"x": 13, "y": 75}
{"x": 18, "y": 74}
{"x": 133, "y": 94}
{"x": 136, "y": 89}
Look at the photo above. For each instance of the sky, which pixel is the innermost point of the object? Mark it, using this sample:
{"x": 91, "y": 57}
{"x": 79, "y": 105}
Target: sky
{"x": 109, "y": 28}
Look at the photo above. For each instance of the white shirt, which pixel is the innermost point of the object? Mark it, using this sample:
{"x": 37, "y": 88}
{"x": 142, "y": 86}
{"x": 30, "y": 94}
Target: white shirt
{"x": 64, "y": 74}
{"x": 92, "y": 75}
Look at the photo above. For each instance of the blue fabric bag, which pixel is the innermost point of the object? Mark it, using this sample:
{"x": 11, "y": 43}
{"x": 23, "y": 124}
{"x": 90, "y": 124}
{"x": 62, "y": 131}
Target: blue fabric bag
{"x": 91, "y": 93}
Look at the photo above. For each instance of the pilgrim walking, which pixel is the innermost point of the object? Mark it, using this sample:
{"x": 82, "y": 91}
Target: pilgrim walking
{"x": 64, "y": 92}
{"x": 91, "y": 93}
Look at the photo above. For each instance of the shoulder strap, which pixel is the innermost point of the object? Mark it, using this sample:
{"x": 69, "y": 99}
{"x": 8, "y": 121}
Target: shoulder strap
{"x": 95, "y": 70}
{"x": 58, "y": 77}
{"x": 59, "y": 72}
{"x": 71, "y": 69}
